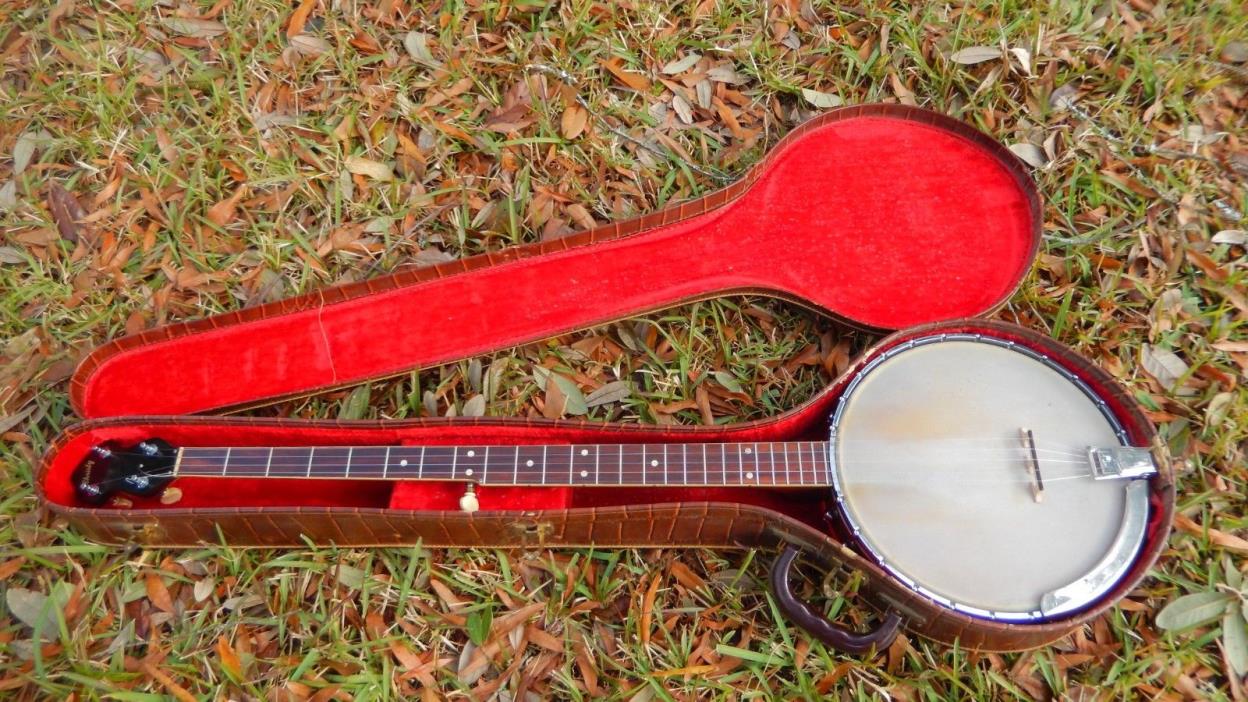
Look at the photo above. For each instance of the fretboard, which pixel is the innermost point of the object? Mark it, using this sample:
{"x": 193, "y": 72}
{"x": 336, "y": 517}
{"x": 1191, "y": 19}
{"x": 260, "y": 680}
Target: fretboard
{"x": 800, "y": 463}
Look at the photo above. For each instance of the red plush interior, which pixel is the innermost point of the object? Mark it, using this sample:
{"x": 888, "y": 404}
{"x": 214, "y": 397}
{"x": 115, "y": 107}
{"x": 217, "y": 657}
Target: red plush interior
{"x": 884, "y": 221}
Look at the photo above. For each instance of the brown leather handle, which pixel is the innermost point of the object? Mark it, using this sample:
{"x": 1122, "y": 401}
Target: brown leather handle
{"x": 818, "y": 625}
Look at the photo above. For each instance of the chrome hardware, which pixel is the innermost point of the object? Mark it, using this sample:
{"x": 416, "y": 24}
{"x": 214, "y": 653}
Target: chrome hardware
{"x": 1113, "y": 567}
{"x": 1121, "y": 462}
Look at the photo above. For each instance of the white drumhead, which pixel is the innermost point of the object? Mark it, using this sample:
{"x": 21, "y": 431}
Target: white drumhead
{"x": 931, "y": 471}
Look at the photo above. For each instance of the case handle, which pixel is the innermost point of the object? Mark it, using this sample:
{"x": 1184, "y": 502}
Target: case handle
{"x": 818, "y": 625}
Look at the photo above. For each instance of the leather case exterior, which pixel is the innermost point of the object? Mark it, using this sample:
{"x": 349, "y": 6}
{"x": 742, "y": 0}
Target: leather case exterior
{"x": 845, "y": 243}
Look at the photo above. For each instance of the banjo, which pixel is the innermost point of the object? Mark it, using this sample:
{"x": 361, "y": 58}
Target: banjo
{"x": 978, "y": 472}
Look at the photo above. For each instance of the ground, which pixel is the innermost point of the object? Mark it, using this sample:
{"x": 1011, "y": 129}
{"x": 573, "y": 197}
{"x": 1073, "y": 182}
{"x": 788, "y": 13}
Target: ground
{"x": 166, "y": 160}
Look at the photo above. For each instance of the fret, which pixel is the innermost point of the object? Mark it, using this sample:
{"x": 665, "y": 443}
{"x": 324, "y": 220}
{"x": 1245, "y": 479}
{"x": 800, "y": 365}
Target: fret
{"x": 620, "y": 454}
{"x": 771, "y": 451}
{"x": 268, "y": 464}
{"x": 740, "y": 465}
{"x": 684, "y": 463}
{"x": 665, "y": 464}
{"x": 454, "y": 459}
{"x": 485, "y": 464}
{"x": 597, "y": 463}
{"x": 571, "y": 464}
{"x": 801, "y": 475}
{"x": 706, "y": 467}
{"x": 543, "y": 464}
{"x": 307, "y": 473}
{"x": 787, "y": 479}
{"x": 515, "y": 467}
{"x": 758, "y": 468}
{"x": 225, "y": 465}
{"x": 385, "y": 466}
{"x": 643, "y": 464}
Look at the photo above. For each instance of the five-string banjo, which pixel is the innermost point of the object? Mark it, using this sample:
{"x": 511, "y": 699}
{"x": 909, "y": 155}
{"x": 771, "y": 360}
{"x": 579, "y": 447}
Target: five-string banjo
{"x": 980, "y": 473}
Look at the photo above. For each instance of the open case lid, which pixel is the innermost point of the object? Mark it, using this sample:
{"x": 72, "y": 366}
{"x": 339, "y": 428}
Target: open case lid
{"x": 883, "y": 216}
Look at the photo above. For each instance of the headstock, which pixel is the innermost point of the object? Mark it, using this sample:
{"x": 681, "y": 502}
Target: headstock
{"x": 141, "y": 470}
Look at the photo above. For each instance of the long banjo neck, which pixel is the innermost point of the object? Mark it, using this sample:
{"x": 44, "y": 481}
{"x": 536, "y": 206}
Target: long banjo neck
{"x": 770, "y": 464}
{"x": 147, "y": 467}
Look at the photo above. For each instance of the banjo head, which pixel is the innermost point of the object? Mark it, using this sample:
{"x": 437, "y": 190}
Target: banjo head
{"x": 933, "y": 475}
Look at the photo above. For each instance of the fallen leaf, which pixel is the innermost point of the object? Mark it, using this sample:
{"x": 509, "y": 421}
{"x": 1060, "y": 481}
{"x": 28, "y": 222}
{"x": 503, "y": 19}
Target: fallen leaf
{"x": 683, "y": 109}
{"x": 158, "y": 593}
{"x": 635, "y": 81}
{"x": 299, "y": 18}
{"x": 230, "y": 661}
{"x": 24, "y": 151}
{"x": 1163, "y": 365}
{"x": 573, "y": 121}
{"x": 67, "y": 212}
{"x": 8, "y": 195}
{"x": 224, "y": 211}
{"x": 417, "y": 45}
{"x": 972, "y": 55}
{"x": 614, "y": 391}
{"x": 194, "y": 27}
{"x": 309, "y": 45}
{"x": 1239, "y": 237}
{"x": 681, "y": 65}
{"x": 474, "y": 407}
{"x": 1030, "y": 153}
{"x": 368, "y": 167}
{"x": 822, "y": 100}
{"x": 171, "y": 496}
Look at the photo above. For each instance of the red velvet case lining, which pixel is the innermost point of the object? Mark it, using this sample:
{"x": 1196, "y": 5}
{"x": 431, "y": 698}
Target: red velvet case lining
{"x": 896, "y": 218}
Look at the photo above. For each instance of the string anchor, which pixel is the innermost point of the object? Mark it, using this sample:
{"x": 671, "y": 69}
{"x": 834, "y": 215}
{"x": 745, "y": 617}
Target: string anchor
{"x": 469, "y": 503}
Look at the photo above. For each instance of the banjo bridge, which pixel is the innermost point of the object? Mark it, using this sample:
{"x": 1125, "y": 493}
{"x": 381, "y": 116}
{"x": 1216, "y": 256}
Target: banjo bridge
{"x": 1121, "y": 462}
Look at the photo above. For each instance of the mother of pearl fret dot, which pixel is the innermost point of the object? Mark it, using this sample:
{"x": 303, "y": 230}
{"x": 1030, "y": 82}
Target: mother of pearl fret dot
{"x": 584, "y": 474}
{"x": 749, "y": 451}
{"x": 584, "y": 452}
{"x": 403, "y": 462}
{"x": 529, "y": 463}
{"x": 471, "y": 454}
{"x": 654, "y": 463}
{"x": 468, "y": 472}
{"x": 749, "y": 476}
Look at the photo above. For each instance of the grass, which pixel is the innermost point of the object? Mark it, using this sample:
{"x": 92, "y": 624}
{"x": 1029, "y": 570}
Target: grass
{"x": 151, "y": 116}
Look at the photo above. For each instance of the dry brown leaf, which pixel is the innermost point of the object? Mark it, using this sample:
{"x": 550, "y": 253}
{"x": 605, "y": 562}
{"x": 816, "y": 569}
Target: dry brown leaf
{"x": 67, "y": 212}
{"x": 647, "y": 608}
{"x": 635, "y": 81}
{"x": 368, "y": 167}
{"x": 194, "y": 27}
{"x": 230, "y": 660}
{"x": 167, "y": 682}
{"x": 299, "y": 18}
{"x": 158, "y": 593}
{"x": 226, "y": 210}
{"x": 573, "y": 121}
{"x": 1219, "y": 538}
{"x": 309, "y": 45}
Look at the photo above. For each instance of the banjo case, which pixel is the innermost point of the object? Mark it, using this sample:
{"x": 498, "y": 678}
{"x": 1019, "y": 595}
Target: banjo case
{"x": 887, "y": 218}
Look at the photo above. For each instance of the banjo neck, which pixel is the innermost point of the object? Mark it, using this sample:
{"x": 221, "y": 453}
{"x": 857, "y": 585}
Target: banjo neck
{"x": 767, "y": 464}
